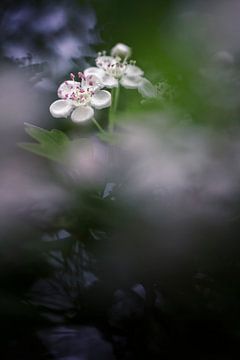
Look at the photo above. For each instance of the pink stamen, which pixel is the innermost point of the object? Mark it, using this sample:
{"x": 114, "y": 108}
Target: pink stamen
{"x": 81, "y": 76}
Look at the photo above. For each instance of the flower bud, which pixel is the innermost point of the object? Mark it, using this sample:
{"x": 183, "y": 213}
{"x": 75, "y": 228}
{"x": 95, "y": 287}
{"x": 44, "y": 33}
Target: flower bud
{"x": 121, "y": 50}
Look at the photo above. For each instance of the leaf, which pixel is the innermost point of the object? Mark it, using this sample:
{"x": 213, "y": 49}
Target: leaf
{"x": 42, "y": 135}
{"x": 51, "y": 144}
{"x": 38, "y": 150}
{"x": 108, "y": 138}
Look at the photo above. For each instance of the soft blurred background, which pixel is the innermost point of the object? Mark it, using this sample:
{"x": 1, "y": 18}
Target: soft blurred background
{"x": 127, "y": 251}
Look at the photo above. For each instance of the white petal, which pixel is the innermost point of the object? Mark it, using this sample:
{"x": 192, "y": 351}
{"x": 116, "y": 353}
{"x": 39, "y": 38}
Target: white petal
{"x": 133, "y": 70}
{"x": 94, "y": 71}
{"x": 82, "y": 113}
{"x": 60, "y": 108}
{"x": 147, "y": 89}
{"x": 121, "y": 50}
{"x": 130, "y": 82}
{"x": 92, "y": 82}
{"x": 101, "y": 99}
{"x": 103, "y": 61}
{"x": 66, "y": 88}
{"x": 109, "y": 81}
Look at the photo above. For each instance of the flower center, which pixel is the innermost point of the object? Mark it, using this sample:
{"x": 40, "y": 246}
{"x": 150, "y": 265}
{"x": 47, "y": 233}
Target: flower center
{"x": 80, "y": 93}
{"x": 80, "y": 96}
{"x": 113, "y": 66}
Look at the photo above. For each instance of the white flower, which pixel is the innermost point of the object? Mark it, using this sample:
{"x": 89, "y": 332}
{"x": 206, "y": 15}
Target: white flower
{"x": 121, "y": 50}
{"x": 112, "y": 71}
{"x": 78, "y": 98}
{"x": 147, "y": 89}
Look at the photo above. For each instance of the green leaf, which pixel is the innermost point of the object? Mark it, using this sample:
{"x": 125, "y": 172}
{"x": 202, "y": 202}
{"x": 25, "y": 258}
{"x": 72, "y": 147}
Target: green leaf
{"x": 42, "y": 135}
{"x": 52, "y": 144}
{"x": 39, "y": 150}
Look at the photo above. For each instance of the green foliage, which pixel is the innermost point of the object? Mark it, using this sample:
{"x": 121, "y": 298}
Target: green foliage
{"x": 109, "y": 138}
{"x": 52, "y": 144}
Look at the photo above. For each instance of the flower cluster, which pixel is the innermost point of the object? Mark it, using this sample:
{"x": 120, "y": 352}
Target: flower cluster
{"x": 115, "y": 69}
{"x": 78, "y": 98}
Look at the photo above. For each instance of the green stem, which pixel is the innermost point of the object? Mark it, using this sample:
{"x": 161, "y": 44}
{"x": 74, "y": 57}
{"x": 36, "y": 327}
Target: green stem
{"x": 117, "y": 91}
{"x": 98, "y": 126}
{"x": 113, "y": 110}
